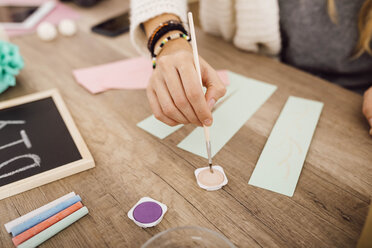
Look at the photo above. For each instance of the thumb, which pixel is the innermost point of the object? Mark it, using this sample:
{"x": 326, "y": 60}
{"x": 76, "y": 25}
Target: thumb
{"x": 367, "y": 107}
{"x": 215, "y": 87}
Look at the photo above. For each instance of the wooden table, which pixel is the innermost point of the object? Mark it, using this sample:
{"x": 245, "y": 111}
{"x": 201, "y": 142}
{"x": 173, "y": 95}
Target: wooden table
{"x": 331, "y": 199}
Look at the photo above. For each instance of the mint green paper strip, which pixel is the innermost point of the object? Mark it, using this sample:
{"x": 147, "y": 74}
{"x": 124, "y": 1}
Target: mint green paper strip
{"x": 156, "y": 127}
{"x": 54, "y": 229}
{"x": 162, "y": 130}
{"x": 283, "y": 156}
{"x": 248, "y": 96}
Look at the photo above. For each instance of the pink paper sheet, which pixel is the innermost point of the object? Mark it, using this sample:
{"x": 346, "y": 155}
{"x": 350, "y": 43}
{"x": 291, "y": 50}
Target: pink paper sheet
{"x": 60, "y": 12}
{"x": 125, "y": 74}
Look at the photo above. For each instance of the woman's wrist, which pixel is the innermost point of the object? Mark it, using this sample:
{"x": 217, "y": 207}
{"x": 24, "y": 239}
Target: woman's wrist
{"x": 173, "y": 45}
{"x": 153, "y": 23}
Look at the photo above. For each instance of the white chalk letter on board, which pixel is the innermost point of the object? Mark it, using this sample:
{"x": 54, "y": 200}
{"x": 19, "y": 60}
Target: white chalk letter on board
{"x": 24, "y": 139}
{"x": 4, "y": 123}
{"x": 34, "y": 157}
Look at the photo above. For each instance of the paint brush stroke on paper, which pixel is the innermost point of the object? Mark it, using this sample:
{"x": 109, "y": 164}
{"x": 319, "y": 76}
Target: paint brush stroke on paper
{"x": 283, "y": 156}
{"x": 124, "y": 74}
{"x": 60, "y": 12}
{"x": 231, "y": 115}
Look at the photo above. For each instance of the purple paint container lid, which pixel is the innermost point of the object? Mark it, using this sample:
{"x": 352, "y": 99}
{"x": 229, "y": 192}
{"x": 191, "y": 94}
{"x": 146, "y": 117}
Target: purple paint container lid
{"x": 147, "y": 212}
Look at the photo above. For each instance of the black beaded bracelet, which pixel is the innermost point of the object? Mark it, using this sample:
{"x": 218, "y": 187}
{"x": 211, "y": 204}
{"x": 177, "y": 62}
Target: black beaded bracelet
{"x": 157, "y": 29}
{"x": 158, "y": 49}
{"x": 162, "y": 29}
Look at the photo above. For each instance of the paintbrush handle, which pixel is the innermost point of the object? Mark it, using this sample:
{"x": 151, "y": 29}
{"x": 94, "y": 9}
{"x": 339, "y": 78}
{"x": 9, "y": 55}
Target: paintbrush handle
{"x": 194, "y": 47}
{"x": 196, "y": 62}
{"x": 197, "y": 66}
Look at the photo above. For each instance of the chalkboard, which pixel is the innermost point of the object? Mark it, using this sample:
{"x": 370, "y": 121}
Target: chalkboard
{"x": 39, "y": 143}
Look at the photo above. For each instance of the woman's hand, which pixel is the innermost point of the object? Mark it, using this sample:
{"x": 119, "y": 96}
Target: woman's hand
{"x": 174, "y": 91}
{"x": 367, "y": 107}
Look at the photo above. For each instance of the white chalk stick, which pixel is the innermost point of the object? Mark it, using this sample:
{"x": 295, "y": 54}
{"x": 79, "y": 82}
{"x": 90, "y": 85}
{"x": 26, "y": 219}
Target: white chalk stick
{"x": 23, "y": 218}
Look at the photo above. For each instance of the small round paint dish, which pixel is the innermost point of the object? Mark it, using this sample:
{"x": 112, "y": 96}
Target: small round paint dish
{"x": 211, "y": 180}
{"x": 147, "y": 212}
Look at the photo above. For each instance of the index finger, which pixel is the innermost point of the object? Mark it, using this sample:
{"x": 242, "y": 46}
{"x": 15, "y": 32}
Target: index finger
{"x": 194, "y": 93}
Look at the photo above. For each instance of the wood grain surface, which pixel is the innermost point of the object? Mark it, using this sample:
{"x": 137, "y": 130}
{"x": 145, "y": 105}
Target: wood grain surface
{"x": 328, "y": 207}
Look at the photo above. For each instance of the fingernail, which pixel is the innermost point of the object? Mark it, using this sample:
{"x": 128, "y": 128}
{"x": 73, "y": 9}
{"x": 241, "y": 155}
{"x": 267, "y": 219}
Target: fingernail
{"x": 211, "y": 103}
{"x": 370, "y": 122}
{"x": 207, "y": 122}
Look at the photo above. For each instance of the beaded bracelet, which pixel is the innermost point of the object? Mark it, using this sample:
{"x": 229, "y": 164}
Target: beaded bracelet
{"x": 161, "y": 30}
{"x": 160, "y": 47}
{"x": 160, "y": 26}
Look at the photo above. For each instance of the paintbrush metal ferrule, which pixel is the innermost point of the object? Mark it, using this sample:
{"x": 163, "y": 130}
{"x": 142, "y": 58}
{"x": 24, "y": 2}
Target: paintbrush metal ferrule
{"x": 209, "y": 152}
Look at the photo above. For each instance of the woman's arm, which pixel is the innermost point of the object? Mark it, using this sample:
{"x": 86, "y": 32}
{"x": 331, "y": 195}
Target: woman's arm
{"x": 174, "y": 92}
{"x": 142, "y": 11}
{"x": 367, "y": 107}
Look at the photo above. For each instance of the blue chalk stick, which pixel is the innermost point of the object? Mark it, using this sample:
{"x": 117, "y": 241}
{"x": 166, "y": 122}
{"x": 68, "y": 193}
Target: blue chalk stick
{"x": 44, "y": 215}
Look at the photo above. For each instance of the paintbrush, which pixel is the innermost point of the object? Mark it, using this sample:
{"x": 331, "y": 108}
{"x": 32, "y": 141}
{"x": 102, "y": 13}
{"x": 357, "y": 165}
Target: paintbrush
{"x": 197, "y": 66}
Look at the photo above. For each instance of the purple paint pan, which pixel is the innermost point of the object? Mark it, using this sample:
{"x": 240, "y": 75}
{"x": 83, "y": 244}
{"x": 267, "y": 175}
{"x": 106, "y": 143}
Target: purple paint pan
{"x": 147, "y": 212}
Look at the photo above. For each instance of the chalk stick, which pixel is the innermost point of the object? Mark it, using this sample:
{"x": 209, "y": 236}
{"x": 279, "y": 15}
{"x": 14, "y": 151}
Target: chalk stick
{"x": 54, "y": 229}
{"x": 45, "y": 224}
{"x": 44, "y": 215}
{"x": 29, "y": 215}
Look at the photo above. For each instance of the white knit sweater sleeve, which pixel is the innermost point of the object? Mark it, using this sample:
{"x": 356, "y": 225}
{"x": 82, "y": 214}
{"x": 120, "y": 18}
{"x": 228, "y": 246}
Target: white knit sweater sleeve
{"x": 257, "y": 26}
{"x": 143, "y": 10}
{"x": 217, "y": 17}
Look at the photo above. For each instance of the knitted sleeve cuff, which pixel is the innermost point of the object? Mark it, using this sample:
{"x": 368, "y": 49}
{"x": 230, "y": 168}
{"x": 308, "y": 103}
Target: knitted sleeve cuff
{"x": 143, "y": 10}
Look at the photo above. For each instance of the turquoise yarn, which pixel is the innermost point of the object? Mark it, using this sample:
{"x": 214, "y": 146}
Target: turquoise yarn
{"x": 11, "y": 63}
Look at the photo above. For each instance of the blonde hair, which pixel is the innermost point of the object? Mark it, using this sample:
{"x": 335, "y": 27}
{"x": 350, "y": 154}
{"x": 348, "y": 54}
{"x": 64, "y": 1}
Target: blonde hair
{"x": 364, "y": 26}
{"x": 331, "y": 7}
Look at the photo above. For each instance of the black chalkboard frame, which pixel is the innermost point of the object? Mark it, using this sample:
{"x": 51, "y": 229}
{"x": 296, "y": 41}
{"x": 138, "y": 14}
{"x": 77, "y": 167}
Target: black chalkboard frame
{"x": 86, "y": 162}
